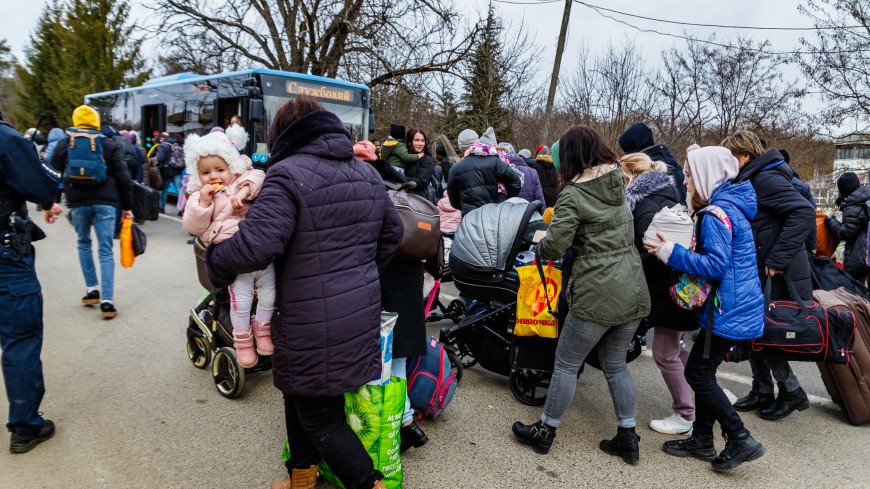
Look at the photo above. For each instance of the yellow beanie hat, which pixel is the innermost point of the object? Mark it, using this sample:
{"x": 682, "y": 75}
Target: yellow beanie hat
{"x": 85, "y": 117}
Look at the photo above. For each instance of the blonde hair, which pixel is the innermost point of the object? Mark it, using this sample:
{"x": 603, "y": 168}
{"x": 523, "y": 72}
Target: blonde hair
{"x": 744, "y": 143}
{"x": 634, "y": 164}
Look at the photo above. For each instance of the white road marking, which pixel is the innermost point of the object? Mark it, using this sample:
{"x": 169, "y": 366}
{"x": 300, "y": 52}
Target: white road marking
{"x": 171, "y": 218}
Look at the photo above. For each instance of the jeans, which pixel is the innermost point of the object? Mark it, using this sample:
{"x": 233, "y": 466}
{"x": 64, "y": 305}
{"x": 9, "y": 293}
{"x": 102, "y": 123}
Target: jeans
{"x": 671, "y": 360}
{"x": 711, "y": 403}
{"x": 102, "y": 218}
{"x": 576, "y": 340}
{"x": 176, "y": 180}
{"x": 242, "y": 297}
{"x": 317, "y": 430}
{"x": 400, "y": 370}
{"x": 21, "y": 341}
{"x": 761, "y": 375}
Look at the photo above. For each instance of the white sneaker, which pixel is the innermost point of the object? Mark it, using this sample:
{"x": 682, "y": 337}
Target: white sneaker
{"x": 672, "y": 425}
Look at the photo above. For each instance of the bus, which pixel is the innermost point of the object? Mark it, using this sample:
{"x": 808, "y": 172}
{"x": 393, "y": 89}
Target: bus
{"x": 190, "y": 103}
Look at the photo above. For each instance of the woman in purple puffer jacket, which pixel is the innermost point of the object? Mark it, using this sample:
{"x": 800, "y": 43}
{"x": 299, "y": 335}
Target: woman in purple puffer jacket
{"x": 325, "y": 220}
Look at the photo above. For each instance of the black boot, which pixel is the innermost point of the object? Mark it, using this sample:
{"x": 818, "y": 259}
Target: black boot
{"x": 754, "y": 400}
{"x": 624, "y": 444}
{"x": 739, "y": 447}
{"x": 538, "y": 435}
{"x": 786, "y": 402}
{"x": 698, "y": 446}
{"x": 412, "y": 436}
{"x": 26, "y": 443}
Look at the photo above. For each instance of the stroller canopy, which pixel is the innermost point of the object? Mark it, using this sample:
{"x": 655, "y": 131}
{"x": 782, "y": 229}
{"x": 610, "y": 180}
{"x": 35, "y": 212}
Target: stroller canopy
{"x": 486, "y": 235}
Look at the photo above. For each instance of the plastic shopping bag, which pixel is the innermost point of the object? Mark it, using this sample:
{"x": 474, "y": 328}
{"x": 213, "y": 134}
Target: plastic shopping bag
{"x": 374, "y": 412}
{"x": 128, "y": 256}
{"x": 533, "y": 314}
{"x": 388, "y": 322}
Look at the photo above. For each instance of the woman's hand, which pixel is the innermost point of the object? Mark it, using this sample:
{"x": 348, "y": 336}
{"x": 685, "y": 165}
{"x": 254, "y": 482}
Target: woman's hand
{"x": 773, "y": 271}
{"x": 662, "y": 249}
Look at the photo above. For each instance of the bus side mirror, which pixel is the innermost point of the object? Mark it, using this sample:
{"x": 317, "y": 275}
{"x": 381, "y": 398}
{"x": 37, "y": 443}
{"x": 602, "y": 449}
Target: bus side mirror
{"x": 371, "y": 121}
{"x": 255, "y": 110}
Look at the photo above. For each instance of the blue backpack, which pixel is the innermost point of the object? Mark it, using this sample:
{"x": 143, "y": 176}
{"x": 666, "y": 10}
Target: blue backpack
{"x": 85, "y": 163}
{"x": 431, "y": 382}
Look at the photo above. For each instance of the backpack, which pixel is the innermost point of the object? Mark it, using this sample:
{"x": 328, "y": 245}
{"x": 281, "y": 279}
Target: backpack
{"x": 431, "y": 381}
{"x": 85, "y": 162}
{"x": 176, "y": 157}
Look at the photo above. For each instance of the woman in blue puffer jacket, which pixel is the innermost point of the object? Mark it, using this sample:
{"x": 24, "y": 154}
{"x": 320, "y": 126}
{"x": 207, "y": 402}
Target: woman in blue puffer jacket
{"x": 725, "y": 254}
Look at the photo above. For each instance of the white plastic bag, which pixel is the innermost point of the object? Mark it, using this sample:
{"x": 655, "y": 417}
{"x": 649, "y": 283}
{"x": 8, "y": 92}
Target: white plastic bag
{"x": 388, "y": 322}
{"x": 674, "y": 222}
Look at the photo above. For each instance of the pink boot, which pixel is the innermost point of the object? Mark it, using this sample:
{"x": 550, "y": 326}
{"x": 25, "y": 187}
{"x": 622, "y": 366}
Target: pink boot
{"x": 243, "y": 342}
{"x": 263, "y": 337}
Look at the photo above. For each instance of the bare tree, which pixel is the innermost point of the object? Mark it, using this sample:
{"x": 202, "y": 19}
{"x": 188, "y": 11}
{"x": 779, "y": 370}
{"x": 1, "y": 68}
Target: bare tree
{"x": 375, "y": 41}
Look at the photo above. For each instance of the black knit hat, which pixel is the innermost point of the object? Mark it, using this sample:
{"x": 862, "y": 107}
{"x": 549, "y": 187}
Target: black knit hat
{"x": 397, "y": 131}
{"x": 848, "y": 183}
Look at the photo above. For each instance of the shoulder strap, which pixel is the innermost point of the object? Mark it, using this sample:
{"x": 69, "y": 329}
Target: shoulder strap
{"x": 718, "y": 213}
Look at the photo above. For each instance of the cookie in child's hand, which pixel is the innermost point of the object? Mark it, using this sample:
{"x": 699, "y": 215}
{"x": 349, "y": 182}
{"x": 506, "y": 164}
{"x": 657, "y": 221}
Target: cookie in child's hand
{"x": 217, "y": 188}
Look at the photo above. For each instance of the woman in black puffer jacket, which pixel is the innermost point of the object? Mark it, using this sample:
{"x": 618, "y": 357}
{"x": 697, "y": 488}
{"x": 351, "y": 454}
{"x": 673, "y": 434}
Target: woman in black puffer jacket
{"x": 853, "y": 229}
{"x": 650, "y": 190}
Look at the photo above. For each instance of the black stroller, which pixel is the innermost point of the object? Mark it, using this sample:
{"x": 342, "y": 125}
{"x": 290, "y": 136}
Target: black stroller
{"x": 482, "y": 264}
{"x": 210, "y": 335}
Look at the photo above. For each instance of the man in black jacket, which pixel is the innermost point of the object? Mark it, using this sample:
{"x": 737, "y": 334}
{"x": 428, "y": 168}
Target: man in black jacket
{"x": 638, "y": 138}
{"x": 167, "y": 171}
{"x": 94, "y": 206}
{"x": 22, "y": 178}
{"x": 783, "y": 226}
{"x": 475, "y": 179}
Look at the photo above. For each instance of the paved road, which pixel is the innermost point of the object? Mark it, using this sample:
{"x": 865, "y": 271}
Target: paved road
{"x": 133, "y": 412}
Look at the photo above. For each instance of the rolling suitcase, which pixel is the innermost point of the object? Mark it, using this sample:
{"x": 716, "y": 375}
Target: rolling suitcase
{"x": 849, "y": 385}
{"x": 146, "y": 202}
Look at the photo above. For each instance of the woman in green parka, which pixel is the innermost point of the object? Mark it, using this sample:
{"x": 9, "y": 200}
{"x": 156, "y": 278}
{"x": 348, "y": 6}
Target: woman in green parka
{"x": 607, "y": 294}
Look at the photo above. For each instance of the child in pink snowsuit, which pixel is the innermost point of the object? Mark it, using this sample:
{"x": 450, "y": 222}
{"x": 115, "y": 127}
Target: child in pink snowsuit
{"x": 222, "y": 185}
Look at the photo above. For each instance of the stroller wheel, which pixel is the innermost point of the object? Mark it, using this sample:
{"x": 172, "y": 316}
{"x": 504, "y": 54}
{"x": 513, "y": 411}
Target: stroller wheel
{"x": 455, "y": 364}
{"x": 530, "y": 387}
{"x": 198, "y": 350}
{"x": 456, "y": 310}
{"x": 465, "y": 357}
{"x": 229, "y": 377}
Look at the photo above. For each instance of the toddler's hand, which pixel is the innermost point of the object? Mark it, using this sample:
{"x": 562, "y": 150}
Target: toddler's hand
{"x": 205, "y": 195}
{"x": 237, "y": 201}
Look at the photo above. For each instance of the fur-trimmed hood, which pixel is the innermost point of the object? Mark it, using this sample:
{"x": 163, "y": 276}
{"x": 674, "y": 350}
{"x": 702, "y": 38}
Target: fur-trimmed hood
{"x": 645, "y": 185}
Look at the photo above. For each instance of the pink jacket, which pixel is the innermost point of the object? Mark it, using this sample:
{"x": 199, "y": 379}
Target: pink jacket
{"x": 450, "y": 217}
{"x": 219, "y": 221}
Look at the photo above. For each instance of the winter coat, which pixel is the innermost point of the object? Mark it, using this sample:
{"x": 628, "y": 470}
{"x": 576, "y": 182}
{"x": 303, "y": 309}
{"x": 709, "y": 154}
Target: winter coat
{"x": 853, "y": 230}
{"x": 420, "y": 172}
{"x": 593, "y": 220}
{"x": 450, "y": 217}
{"x": 474, "y": 182}
{"x": 54, "y": 136}
{"x": 219, "y": 221}
{"x": 647, "y": 194}
{"x": 531, "y": 190}
{"x": 547, "y": 175}
{"x": 638, "y": 138}
{"x": 325, "y": 220}
{"x": 22, "y": 176}
{"x": 396, "y": 153}
{"x": 118, "y": 188}
{"x": 783, "y": 225}
{"x": 728, "y": 256}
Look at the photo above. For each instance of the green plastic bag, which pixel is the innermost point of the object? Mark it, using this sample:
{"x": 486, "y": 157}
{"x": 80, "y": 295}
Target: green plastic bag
{"x": 374, "y": 412}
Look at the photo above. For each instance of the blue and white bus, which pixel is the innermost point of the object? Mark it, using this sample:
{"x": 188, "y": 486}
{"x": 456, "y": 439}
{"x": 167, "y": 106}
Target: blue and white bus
{"x": 190, "y": 103}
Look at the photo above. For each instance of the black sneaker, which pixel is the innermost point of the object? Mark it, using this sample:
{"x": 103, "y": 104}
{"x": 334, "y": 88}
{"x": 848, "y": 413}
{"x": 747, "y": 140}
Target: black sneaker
{"x": 739, "y": 448}
{"x": 91, "y": 298}
{"x": 698, "y": 446}
{"x": 26, "y": 443}
{"x": 538, "y": 435}
{"x": 107, "y": 310}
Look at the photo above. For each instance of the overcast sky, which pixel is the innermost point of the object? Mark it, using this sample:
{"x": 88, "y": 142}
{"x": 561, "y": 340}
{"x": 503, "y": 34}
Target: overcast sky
{"x": 542, "y": 20}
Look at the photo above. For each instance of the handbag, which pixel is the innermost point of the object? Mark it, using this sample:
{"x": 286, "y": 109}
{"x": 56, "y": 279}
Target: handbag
{"x": 690, "y": 292}
{"x": 139, "y": 240}
{"x": 421, "y": 222}
{"x": 535, "y": 314}
{"x": 803, "y": 331}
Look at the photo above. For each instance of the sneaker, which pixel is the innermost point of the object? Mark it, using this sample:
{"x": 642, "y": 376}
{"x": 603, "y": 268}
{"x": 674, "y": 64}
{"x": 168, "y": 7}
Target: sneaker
{"x": 739, "y": 448}
{"x": 698, "y": 446}
{"x": 91, "y": 298}
{"x": 107, "y": 310}
{"x": 672, "y": 425}
{"x": 26, "y": 443}
{"x": 642, "y": 342}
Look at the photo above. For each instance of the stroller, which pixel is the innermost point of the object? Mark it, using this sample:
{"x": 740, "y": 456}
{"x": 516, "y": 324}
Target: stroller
{"x": 210, "y": 335}
{"x": 482, "y": 263}
{"x": 435, "y": 310}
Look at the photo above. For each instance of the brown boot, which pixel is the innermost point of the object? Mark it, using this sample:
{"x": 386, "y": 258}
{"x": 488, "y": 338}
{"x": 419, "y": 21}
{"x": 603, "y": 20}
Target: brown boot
{"x": 300, "y": 479}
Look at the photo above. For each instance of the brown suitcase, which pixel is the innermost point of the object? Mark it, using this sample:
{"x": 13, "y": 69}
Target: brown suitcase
{"x": 849, "y": 385}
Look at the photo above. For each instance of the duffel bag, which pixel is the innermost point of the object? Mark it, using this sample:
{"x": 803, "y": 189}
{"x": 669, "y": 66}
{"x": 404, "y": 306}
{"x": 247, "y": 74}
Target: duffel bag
{"x": 826, "y": 275}
{"x": 421, "y": 222}
{"x": 803, "y": 331}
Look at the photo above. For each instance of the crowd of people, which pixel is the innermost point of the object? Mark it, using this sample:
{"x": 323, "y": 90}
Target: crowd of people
{"x": 324, "y": 267}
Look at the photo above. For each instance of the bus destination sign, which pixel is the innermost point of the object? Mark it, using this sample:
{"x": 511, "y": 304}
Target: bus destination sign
{"x": 320, "y": 91}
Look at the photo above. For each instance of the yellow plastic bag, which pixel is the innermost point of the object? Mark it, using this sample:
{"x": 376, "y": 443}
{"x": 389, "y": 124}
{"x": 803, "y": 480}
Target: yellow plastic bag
{"x": 533, "y": 316}
{"x": 127, "y": 254}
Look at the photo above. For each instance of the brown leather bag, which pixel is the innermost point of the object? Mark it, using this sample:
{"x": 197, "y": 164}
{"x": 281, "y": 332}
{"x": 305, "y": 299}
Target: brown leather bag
{"x": 151, "y": 174}
{"x": 421, "y": 220}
